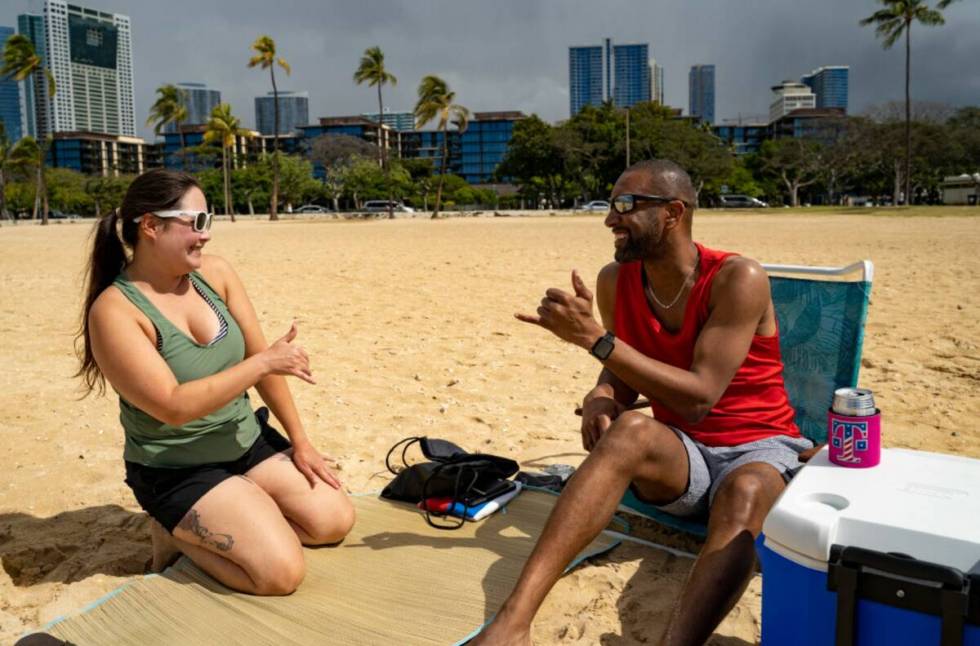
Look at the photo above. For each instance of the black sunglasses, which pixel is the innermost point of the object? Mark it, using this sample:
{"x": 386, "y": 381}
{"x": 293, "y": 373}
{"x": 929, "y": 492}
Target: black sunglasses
{"x": 627, "y": 201}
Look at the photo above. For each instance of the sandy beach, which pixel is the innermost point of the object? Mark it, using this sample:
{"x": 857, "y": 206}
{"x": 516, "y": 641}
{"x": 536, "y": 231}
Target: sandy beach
{"x": 409, "y": 325}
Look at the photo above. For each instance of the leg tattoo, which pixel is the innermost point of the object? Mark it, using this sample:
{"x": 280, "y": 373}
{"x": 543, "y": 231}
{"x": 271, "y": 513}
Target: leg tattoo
{"x": 192, "y": 523}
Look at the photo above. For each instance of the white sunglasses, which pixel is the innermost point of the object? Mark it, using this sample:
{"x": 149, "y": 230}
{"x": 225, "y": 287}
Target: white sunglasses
{"x": 201, "y": 220}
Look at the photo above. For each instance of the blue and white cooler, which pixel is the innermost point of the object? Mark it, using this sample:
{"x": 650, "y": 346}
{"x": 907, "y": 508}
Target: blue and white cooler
{"x": 874, "y": 557}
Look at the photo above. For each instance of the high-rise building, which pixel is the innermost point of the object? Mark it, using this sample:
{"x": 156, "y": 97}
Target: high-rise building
{"x": 631, "y": 81}
{"x": 90, "y": 55}
{"x": 830, "y": 85}
{"x": 790, "y": 96}
{"x": 701, "y": 92}
{"x": 294, "y": 111}
{"x": 622, "y": 74}
{"x": 10, "y": 115}
{"x": 199, "y": 101}
{"x": 396, "y": 120}
{"x": 584, "y": 77}
{"x": 656, "y": 82}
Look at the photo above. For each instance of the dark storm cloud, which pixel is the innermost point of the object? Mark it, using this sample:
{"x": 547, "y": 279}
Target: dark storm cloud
{"x": 513, "y": 54}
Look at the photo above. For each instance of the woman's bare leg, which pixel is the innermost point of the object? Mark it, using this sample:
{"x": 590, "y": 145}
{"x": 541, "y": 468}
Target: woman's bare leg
{"x": 320, "y": 515}
{"x": 237, "y": 534}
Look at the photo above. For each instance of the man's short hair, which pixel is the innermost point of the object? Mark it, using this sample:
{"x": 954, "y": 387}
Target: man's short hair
{"x": 668, "y": 177}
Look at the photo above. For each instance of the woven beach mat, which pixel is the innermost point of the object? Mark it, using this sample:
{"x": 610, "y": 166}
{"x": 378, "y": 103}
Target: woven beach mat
{"x": 394, "y": 580}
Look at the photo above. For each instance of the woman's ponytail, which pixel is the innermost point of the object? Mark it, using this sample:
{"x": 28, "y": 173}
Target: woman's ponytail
{"x": 106, "y": 260}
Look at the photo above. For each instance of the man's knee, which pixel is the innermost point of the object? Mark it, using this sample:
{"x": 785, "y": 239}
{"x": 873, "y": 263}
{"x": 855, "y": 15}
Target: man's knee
{"x": 746, "y": 496}
{"x": 636, "y": 435}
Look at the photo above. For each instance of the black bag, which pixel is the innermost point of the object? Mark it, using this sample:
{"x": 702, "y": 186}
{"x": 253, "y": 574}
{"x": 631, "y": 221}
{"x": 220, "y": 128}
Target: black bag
{"x": 450, "y": 472}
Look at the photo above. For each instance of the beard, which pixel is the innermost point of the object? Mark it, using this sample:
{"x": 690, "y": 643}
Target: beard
{"x": 643, "y": 246}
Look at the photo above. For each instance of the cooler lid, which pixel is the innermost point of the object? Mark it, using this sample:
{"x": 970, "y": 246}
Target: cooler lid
{"x": 925, "y": 505}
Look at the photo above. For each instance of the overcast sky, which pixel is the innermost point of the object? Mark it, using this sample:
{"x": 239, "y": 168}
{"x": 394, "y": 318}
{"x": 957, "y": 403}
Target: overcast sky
{"x": 513, "y": 54}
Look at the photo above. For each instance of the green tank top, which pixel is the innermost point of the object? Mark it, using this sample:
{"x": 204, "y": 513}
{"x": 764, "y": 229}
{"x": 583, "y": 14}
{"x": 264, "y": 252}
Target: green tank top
{"x": 221, "y": 436}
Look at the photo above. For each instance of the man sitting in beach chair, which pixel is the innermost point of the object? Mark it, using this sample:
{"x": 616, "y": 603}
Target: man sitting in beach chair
{"x": 694, "y": 330}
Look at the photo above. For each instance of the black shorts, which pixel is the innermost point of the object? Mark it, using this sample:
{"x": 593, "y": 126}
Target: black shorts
{"x": 168, "y": 494}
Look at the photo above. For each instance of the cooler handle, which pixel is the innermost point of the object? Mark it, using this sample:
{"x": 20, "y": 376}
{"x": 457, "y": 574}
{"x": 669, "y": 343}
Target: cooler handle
{"x": 844, "y": 576}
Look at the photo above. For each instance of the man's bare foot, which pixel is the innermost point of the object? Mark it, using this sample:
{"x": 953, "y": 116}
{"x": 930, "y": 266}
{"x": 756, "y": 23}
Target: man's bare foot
{"x": 498, "y": 633}
{"x": 165, "y": 550}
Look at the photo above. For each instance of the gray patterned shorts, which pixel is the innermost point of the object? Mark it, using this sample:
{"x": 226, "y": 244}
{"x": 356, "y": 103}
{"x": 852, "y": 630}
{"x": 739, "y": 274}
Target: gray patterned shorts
{"x": 709, "y": 465}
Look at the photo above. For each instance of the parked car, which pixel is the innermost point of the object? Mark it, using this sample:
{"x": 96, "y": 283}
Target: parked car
{"x": 381, "y": 206}
{"x": 741, "y": 202}
{"x": 55, "y": 214}
{"x": 312, "y": 208}
{"x": 595, "y": 205}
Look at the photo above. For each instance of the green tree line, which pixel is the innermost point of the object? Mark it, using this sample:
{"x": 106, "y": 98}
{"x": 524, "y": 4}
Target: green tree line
{"x": 579, "y": 160}
{"x": 879, "y": 154}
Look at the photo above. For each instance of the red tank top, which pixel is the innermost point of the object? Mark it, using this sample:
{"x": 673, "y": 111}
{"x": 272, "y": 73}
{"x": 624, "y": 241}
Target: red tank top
{"x": 753, "y": 407}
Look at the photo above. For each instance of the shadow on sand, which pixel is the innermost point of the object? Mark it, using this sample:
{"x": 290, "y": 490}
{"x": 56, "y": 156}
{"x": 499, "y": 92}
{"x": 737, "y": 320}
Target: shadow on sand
{"x": 74, "y": 545}
{"x": 648, "y": 598}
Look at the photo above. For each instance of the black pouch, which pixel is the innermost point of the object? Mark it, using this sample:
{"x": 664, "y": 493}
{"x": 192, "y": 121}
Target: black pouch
{"x": 451, "y": 472}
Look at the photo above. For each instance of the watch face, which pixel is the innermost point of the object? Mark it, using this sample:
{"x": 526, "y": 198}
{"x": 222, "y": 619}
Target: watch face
{"x": 603, "y": 347}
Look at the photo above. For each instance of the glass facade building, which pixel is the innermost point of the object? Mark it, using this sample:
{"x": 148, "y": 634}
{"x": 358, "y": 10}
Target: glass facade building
{"x": 701, "y": 92}
{"x": 631, "y": 74}
{"x": 174, "y": 155}
{"x": 90, "y": 54}
{"x": 830, "y": 84}
{"x": 584, "y": 77}
{"x": 473, "y": 155}
{"x": 357, "y": 126}
{"x": 821, "y": 124}
{"x": 623, "y": 74}
{"x": 294, "y": 111}
{"x": 427, "y": 144}
{"x": 484, "y": 144}
{"x": 98, "y": 154}
{"x": 354, "y": 126}
{"x": 10, "y": 114}
{"x": 743, "y": 137}
{"x": 199, "y": 101}
{"x": 396, "y": 120}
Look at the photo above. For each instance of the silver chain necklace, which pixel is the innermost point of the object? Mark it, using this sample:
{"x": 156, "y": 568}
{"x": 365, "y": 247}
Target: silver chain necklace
{"x": 667, "y": 306}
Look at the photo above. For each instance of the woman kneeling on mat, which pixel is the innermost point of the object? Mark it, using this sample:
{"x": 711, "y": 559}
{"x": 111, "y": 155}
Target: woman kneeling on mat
{"x": 175, "y": 334}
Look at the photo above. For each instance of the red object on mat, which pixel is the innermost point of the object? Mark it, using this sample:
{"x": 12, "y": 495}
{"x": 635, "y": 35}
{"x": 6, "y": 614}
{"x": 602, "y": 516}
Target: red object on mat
{"x": 438, "y": 505}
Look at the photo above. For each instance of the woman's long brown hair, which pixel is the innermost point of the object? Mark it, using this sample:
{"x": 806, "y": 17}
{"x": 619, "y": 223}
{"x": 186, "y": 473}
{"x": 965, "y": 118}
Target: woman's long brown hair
{"x": 155, "y": 190}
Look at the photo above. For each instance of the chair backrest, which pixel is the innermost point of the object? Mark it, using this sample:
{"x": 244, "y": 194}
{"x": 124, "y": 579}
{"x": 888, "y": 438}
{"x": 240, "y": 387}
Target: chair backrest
{"x": 821, "y": 319}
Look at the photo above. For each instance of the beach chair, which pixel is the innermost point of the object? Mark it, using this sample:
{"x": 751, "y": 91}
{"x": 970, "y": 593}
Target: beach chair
{"x": 821, "y": 313}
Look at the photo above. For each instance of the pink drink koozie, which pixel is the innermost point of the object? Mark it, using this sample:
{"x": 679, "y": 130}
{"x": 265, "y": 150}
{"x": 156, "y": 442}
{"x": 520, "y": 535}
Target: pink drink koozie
{"x": 854, "y": 441}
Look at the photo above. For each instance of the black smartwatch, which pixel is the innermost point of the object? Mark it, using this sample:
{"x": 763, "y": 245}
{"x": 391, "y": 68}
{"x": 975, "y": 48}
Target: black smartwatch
{"x": 603, "y": 346}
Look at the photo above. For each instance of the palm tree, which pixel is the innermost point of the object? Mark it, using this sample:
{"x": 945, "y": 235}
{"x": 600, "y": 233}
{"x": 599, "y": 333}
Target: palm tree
{"x": 5, "y": 148}
{"x": 890, "y": 23}
{"x": 170, "y": 107}
{"x": 265, "y": 57}
{"x": 372, "y": 71}
{"x": 24, "y": 158}
{"x": 435, "y": 100}
{"x": 222, "y": 128}
{"x": 21, "y": 62}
